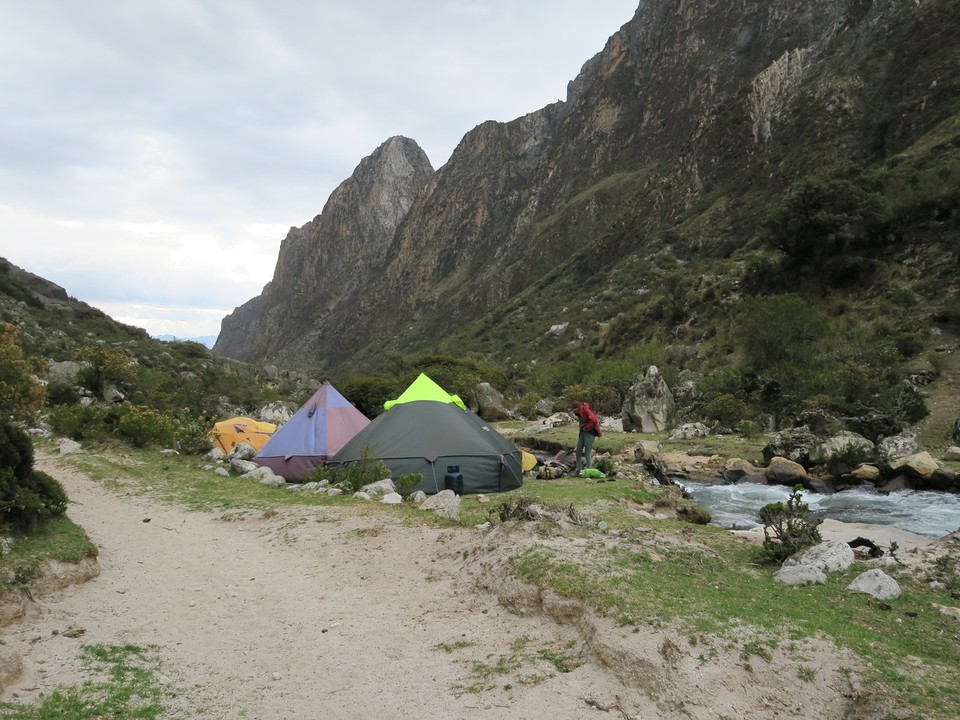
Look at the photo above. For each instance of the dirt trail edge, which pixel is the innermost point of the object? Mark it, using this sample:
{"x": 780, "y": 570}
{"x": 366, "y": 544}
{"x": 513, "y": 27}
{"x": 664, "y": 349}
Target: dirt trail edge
{"x": 337, "y": 613}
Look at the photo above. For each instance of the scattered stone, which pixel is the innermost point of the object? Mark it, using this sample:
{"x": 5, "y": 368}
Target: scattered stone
{"x": 360, "y": 495}
{"x": 392, "y": 499}
{"x": 242, "y": 451}
{"x": 68, "y": 446}
{"x": 169, "y": 452}
{"x": 381, "y": 487}
{"x": 830, "y": 556}
{"x": 333, "y": 492}
{"x": 948, "y": 610}
{"x": 445, "y": 504}
{"x": 222, "y": 471}
{"x": 690, "y": 431}
{"x": 800, "y": 575}
{"x": 876, "y": 583}
{"x": 952, "y": 453}
{"x": 242, "y": 467}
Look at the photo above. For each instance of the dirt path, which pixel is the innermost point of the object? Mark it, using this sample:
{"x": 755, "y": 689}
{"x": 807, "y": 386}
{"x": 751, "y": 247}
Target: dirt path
{"x": 348, "y": 613}
{"x": 299, "y": 615}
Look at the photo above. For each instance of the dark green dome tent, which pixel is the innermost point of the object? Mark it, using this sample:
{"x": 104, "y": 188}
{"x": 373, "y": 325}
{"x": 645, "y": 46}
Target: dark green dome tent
{"x": 430, "y": 436}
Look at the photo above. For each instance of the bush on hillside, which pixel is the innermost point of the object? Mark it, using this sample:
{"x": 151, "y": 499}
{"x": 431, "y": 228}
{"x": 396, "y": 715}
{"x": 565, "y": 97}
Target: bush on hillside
{"x": 21, "y": 394}
{"x": 27, "y": 496}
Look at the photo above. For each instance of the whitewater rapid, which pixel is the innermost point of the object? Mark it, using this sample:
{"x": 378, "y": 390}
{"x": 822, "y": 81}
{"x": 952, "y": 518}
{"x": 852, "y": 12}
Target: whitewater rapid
{"x": 927, "y": 513}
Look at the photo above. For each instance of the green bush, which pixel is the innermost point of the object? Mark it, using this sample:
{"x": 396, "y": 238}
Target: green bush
{"x": 26, "y": 495}
{"x": 142, "y": 426}
{"x": 406, "y": 484}
{"x": 788, "y": 527}
{"x": 726, "y": 410}
{"x": 80, "y": 422}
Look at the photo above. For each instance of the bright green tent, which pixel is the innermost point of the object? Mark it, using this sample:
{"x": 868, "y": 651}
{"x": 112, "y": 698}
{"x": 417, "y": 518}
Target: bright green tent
{"x": 423, "y": 388}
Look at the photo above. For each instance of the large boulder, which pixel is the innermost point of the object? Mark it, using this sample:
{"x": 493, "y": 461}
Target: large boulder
{"x": 648, "y": 406}
{"x": 842, "y": 453}
{"x": 875, "y": 583}
{"x": 782, "y": 471}
{"x": 490, "y": 403}
{"x": 738, "y": 470}
{"x": 899, "y": 446}
{"x": 63, "y": 373}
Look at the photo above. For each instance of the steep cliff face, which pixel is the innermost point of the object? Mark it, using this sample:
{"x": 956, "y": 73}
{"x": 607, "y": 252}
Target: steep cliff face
{"x": 335, "y": 254}
{"x": 674, "y": 136}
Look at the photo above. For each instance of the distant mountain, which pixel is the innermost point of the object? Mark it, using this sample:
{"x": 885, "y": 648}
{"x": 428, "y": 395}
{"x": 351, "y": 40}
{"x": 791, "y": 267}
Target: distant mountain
{"x": 206, "y": 340}
{"x": 644, "y": 206}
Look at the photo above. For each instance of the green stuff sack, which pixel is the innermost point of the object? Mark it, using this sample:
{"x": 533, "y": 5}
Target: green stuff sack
{"x": 591, "y": 473}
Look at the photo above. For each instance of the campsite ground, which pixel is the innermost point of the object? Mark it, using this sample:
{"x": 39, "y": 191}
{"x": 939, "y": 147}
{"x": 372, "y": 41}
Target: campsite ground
{"x": 348, "y": 612}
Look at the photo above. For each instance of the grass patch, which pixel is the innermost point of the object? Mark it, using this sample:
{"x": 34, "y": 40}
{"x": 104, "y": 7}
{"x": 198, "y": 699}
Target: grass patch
{"x": 712, "y": 585}
{"x": 525, "y": 664}
{"x": 55, "y": 539}
{"x": 128, "y": 687}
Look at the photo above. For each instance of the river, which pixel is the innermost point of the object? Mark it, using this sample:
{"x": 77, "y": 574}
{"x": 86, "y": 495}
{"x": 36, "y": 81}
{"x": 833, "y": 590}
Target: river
{"x": 931, "y": 514}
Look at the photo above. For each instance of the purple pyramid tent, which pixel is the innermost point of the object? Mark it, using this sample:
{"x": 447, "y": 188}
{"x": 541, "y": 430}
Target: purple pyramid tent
{"x": 325, "y": 423}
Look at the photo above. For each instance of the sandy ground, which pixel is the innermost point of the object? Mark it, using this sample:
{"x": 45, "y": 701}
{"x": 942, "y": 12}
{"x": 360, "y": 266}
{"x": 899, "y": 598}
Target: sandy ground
{"x": 348, "y": 614}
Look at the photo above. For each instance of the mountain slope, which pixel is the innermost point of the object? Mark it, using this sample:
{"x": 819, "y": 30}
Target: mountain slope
{"x": 666, "y": 159}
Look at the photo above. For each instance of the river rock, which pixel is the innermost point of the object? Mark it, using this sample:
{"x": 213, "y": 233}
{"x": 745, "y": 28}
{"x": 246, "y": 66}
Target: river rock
{"x": 865, "y": 473}
{"x": 739, "y": 470}
{"x": 920, "y": 466}
{"x": 842, "y": 452}
{"x": 899, "y": 446}
{"x": 782, "y": 471}
{"x": 877, "y": 584}
{"x": 648, "y": 405}
{"x": 647, "y": 450}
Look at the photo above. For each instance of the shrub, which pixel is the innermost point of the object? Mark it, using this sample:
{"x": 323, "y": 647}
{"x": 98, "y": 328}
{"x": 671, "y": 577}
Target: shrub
{"x": 26, "y": 495}
{"x": 354, "y": 475}
{"x": 788, "y": 527}
{"x": 406, "y": 484}
{"x": 726, "y": 410}
{"x": 20, "y": 393}
{"x": 142, "y": 426}
{"x": 79, "y": 422}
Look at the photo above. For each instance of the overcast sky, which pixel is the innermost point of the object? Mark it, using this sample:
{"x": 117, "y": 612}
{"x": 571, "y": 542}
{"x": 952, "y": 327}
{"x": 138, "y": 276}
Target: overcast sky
{"x": 154, "y": 153}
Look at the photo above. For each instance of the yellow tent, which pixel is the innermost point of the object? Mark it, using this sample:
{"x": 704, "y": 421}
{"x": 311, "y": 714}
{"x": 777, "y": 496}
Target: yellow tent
{"x": 227, "y": 434}
{"x": 528, "y": 461}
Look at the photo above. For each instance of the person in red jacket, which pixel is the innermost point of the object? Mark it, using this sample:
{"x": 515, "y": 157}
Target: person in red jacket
{"x": 589, "y": 430}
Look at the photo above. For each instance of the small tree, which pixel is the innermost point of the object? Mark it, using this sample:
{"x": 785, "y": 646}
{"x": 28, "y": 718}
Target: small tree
{"x": 21, "y": 394}
{"x": 788, "y": 527}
